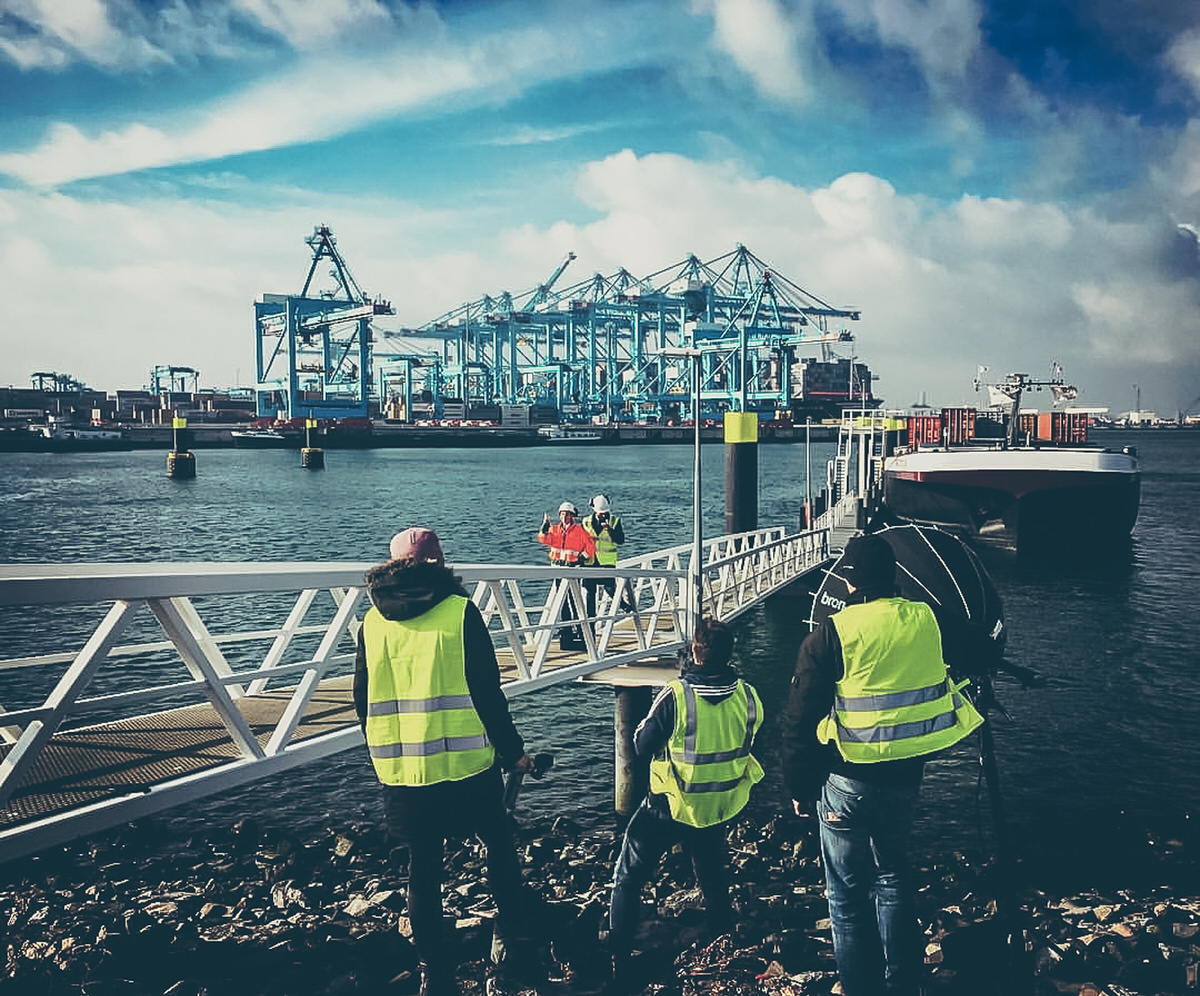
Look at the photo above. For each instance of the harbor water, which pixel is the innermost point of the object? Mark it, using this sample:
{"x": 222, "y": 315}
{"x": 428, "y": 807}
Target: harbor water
{"x": 1098, "y": 768}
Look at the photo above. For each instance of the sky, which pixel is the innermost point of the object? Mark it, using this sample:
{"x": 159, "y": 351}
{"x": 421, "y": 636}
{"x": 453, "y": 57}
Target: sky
{"x": 1007, "y": 183}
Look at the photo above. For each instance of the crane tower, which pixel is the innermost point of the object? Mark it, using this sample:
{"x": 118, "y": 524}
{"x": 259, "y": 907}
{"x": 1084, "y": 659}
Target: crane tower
{"x": 313, "y": 348}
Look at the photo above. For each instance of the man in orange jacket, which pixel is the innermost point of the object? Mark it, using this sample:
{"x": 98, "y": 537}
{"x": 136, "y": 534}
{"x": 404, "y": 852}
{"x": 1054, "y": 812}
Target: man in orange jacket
{"x": 570, "y": 546}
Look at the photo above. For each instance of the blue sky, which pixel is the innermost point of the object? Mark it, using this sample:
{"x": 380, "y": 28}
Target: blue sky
{"x": 1001, "y": 182}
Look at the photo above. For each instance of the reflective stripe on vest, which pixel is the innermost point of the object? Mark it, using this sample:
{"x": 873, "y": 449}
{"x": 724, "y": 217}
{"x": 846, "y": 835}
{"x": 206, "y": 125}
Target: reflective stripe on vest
{"x": 606, "y": 547}
{"x": 706, "y": 771}
{"x": 895, "y": 699}
{"x": 422, "y": 726}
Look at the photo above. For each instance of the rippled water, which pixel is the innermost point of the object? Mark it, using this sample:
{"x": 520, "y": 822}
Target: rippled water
{"x": 1098, "y": 768}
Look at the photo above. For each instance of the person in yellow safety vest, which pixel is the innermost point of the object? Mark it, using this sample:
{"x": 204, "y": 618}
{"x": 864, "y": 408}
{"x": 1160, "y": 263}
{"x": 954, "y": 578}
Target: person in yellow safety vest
{"x": 698, "y": 735}
{"x": 438, "y": 730}
{"x": 609, "y": 533}
{"x": 570, "y": 546}
{"x": 870, "y": 701}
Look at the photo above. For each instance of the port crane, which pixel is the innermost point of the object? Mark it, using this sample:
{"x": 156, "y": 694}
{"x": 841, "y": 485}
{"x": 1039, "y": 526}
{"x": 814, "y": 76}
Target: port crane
{"x": 313, "y": 348}
{"x": 608, "y": 346}
{"x": 51, "y": 381}
{"x": 173, "y": 379}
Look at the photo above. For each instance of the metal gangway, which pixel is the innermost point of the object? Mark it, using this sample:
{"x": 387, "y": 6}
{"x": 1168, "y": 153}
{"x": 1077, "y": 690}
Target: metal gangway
{"x": 169, "y": 682}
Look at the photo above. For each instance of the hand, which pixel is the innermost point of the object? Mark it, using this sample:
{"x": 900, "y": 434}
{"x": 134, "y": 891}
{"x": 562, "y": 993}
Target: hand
{"x": 800, "y": 810}
{"x": 524, "y": 764}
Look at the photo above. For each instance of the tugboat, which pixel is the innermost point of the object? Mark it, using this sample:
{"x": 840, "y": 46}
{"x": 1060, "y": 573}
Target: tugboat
{"x": 1029, "y": 480}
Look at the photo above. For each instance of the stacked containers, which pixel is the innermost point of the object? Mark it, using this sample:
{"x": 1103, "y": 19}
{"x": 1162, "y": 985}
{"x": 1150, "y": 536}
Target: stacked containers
{"x": 1062, "y": 427}
{"x": 959, "y": 424}
{"x": 924, "y": 430}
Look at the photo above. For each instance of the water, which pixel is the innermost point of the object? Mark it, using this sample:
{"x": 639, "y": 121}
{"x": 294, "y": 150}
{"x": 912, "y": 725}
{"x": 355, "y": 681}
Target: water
{"x": 1098, "y": 768}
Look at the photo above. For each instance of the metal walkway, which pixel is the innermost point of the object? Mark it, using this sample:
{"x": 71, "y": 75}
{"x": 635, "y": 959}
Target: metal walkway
{"x": 182, "y": 680}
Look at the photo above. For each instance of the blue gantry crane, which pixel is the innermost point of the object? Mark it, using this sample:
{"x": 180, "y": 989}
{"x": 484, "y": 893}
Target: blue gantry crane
{"x": 313, "y": 348}
{"x": 609, "y": 347}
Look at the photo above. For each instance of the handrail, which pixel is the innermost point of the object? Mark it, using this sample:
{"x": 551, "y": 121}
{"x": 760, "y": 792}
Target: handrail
{"x": 164, "y": 642}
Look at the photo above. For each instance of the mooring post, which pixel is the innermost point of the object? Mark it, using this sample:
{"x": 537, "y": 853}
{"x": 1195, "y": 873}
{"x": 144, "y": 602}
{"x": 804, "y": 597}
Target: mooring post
{"x": 631, "y": 779}
{"x": 741, "y": 472}
{"x": 181, "y": 464}
{"x": 311, "y": 457}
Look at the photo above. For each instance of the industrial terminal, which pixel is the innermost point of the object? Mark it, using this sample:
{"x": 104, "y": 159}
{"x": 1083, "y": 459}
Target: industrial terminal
{"x": 608, "y": 359}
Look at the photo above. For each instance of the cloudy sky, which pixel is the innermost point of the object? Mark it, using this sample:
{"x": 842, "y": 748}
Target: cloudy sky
{"x": 1000, "y": 182}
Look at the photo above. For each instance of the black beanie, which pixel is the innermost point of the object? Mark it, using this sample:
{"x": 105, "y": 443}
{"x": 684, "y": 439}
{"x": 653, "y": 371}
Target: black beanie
{"x": 868, "y": 564}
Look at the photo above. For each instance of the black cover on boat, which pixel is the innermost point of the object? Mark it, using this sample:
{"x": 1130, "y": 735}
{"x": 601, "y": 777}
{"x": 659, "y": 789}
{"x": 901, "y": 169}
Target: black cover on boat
{"x": 937, "y": 568}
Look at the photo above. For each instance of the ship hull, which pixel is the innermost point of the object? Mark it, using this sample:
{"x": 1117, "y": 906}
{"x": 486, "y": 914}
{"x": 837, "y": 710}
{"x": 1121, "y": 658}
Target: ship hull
{"x": 1030, "y": 498}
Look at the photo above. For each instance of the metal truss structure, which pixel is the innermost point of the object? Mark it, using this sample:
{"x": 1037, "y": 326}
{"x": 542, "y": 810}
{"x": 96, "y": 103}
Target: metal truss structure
{"x": 51, "y": 381}
{"x": 610, "y": 348}
{"x": 189, "y": 679}
{"x": 313, "y": 348}
{"x": 174, "y": 379}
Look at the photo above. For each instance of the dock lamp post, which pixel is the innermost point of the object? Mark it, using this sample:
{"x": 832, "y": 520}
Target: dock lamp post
{"x": 695, "y": 567}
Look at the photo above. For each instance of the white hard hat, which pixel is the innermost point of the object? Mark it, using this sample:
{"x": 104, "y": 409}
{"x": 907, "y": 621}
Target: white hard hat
{"x": 566, "y": 506}
{"x": 600, "y": 503}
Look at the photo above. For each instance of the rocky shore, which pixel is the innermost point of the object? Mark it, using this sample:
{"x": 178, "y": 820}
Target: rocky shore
{"x": 252, "y": 911}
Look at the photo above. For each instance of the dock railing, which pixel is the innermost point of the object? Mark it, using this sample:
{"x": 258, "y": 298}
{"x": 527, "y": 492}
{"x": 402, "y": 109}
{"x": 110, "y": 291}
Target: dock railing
{"x": 139, "y": 686}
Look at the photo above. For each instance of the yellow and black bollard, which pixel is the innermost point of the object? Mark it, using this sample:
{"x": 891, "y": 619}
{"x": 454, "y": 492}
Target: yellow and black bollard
{"x": 741, "y": 472}
{"x": 311, "y": 457}
{"x": 181, "y": 463}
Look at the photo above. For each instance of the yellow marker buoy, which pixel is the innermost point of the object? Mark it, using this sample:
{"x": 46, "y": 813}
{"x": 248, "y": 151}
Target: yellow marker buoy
{"x": 181, "y": 463}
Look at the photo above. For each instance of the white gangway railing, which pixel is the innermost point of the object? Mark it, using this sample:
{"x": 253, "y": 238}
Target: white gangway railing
{"x": 141, "y": 686}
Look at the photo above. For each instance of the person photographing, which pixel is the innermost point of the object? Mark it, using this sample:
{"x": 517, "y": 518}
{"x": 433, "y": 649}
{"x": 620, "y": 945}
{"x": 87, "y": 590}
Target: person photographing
{"x": 608, "y": 533}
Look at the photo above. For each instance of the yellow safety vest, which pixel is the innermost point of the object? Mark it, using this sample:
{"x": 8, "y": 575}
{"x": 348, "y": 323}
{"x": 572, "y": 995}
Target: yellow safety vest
{"x": 422, "y": 726}
{"x": 706, "y": 770}
{"x": 895, "y": 699}
{"x": 606, "y": 548}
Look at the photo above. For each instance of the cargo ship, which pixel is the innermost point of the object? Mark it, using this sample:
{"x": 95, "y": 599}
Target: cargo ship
{"x": 1029, "y": 480}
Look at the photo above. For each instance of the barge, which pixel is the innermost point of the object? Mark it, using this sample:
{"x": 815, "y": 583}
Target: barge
{"x": 1030, "y": 480}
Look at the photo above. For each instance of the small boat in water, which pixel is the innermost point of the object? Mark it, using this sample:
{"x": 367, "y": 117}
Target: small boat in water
{"x": 1027, "y": 479}
{"x": 569, "y": 434}
{"x": 63, "y": 436}
{"x": 263, "y": 439}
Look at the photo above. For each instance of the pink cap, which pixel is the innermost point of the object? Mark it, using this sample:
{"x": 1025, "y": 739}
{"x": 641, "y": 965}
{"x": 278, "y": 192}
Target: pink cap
{"x": 421, "y": 545}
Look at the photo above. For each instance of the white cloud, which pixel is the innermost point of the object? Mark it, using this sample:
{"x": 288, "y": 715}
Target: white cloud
{"x": 323, "y": 96}
{"x": 120, "y": 35}
{"x": 53, "y": 34}
{"x": 942, "y": 35}
{"x": 120, "y": 287}
{"x": 1183, "y": 56}
{"x": 315, "y": 24}
{"x": 1005, "y": 282}
{"x": 766, "y": 42}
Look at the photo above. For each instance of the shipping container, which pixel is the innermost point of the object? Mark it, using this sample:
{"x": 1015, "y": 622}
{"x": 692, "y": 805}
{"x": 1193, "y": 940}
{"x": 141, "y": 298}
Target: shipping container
{"x": 924, "y": 430}
{"x": 1028, "y": 426}
{"x": 959, "y": 424}
{"x": 1062, "y": 427}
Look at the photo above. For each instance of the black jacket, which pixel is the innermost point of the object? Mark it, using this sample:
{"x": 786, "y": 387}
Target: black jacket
{"x": 407, "y": 592}
{"x": 807, "y": 761}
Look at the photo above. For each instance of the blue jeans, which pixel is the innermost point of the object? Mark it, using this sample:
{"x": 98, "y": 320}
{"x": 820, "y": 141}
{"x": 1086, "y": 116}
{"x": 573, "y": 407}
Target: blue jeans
{"x": 864, "y": 843}
{"x": 650, "y": 834}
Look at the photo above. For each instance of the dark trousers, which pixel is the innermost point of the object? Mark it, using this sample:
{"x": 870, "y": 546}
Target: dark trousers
{"x": 592, "y": 585}
{"x": 571, "y": 638}
{"x": 650, "y": 834}
{"x": 448, "y": 812}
